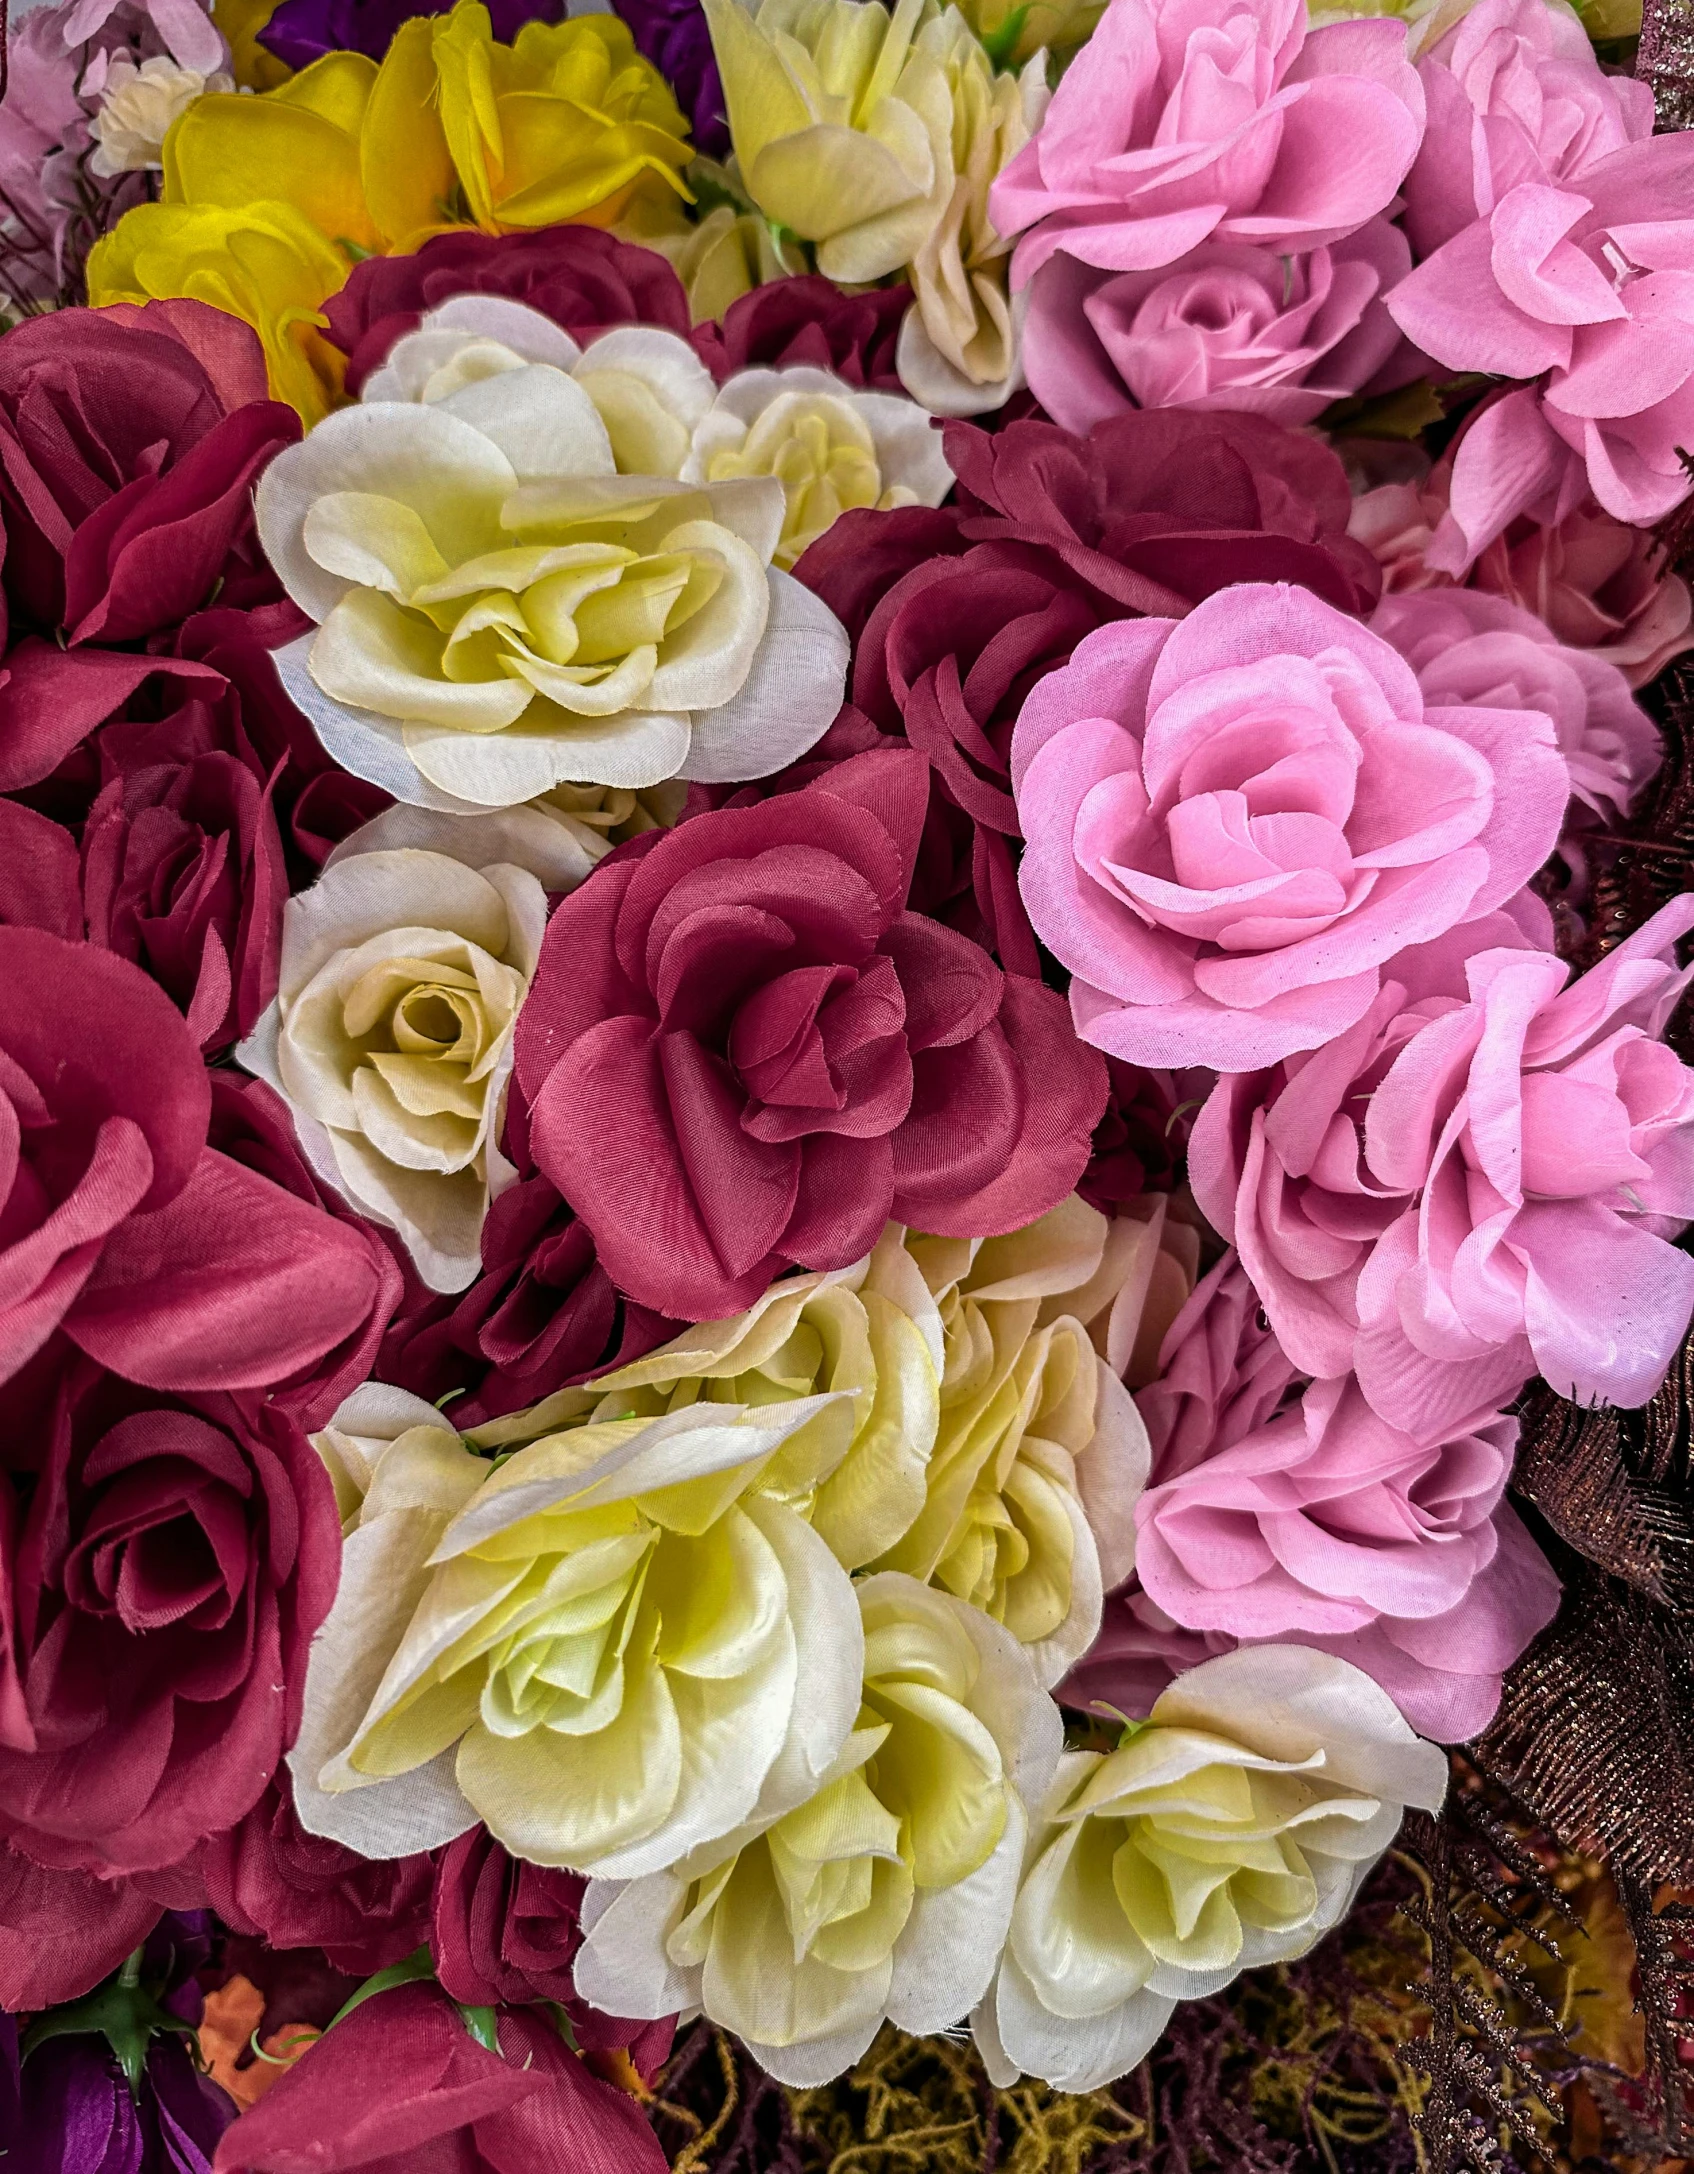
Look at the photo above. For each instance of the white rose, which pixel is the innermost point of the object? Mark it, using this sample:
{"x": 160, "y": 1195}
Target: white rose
{"x": 138, "y": 106}
{"x": 500, "y": 612}
{"x": 887, "y": 1893}
{"x": 831, "y": 447}
{"x": 390, "y": 1036}
{"x": 1232, "y": 1828}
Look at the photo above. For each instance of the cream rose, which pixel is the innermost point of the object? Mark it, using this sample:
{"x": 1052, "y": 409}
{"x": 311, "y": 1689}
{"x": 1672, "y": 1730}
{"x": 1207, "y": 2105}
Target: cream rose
{"x": 612, "y": 1647}
{"x": 828, "y": 444}
{"x": 1040, "y": 1455}
{"x": 885, "y": 1895}
{"x": 501, "y": 612}
{"x": 138, "y": 104}
{"x": 390, "y": 1036}
{"x": 1232, "y": 1828}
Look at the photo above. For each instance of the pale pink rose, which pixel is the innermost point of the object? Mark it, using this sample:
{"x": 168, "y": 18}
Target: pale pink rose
{"x": 1545, "y": 1135}
{"x": 1194, "y": 120}
{"x": 1597, "y": 583}
{"x": 1588, "y": 289}
{"x": 1466, "y": 647}
{"x": 1234, "y": 820}
{"x": 1228, "y": 326}
{"x": 1514, "y": 94}
{"x": 1221, "y": 1374}
{"x": 1328, "y": 1527}
{"x": 1277, "y": 1158}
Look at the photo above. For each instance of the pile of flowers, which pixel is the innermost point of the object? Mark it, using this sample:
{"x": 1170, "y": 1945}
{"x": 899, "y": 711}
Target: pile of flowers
{"x": 805, "y": 1039}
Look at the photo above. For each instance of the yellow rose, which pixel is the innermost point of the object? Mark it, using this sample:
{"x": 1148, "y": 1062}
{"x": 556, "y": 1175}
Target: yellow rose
{"x": 1040, "y": 1455}
{"x": 1232, "y": 1829}
{"x": 256, "y": 68}
{"x": 612, "y": 1646}
{"x": 887, "y": 1894}
{"x": 727, "y": 255}
{"x": 264, "y": 263}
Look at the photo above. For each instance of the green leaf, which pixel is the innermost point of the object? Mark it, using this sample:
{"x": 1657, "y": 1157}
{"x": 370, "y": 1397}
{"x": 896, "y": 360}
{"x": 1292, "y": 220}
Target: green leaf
{"x": 1001, "y": 44}
{"x": 123, "y": 2011}
{"x": 1407, "y": 413}
{"x": 482, "y": 2025}
{"x": 418, "y": 1964}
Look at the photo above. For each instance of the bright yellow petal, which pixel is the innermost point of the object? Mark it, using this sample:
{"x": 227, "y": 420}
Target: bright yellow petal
{"x": 234, "y": 151}
{"x": 408, "y": 174}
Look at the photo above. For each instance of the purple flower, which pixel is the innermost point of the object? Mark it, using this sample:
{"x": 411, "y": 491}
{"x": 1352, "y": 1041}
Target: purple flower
{"x": 673, "y": 36}
{"x": 302, "y": 31}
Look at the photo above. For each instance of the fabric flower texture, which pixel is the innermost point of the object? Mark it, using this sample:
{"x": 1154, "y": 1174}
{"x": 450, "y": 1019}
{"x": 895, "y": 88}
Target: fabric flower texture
{"x": 402, "y": 972}
{"x": 743, "y": 1052}
{"x": 1220, "y": 121}
{"x": 885, "y": 1895}
{"x": 1231, "y": 1829}
{"x": 1234, "y": 821}
{"x": 1505, "y": 1152}
{"x": 500, "y": 612}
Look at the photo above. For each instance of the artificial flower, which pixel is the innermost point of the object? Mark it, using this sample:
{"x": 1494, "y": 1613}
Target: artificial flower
{"x": 888, "y": 1893}
{"x": 401, "y": 2078}
{"x": 468, "y": 654}
{"x": 138, "y": 106}
{"x": 1227, "y": 326}
{"x": 585, "y": 281}
{"x": 302, "y": 31}
{"x": 1235, "y": 820}
{"x": 766, "y": 1080}
{"x": 611, "y": 1647}
{"x": 62, "y": 1932}
{"x": 732, "y": 252}
{"x": 175, "y": 1555}
{"x": 1231, "y": 123}
{"x": 1013, "y": 35}
{"x": 1140, "y": 1141}
{"x": 810, "y": 320}
{"x": 1231, "y": 1829}
{"x": 830, "y": 445}
{"x": 390, "y": 1038}
{"x": 1039, "y": 1451}
{"x": 77, "y": 2112}
{"x": 673, "y": 35}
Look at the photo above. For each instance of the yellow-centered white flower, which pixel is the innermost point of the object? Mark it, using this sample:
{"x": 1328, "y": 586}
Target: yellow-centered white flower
{"x": 887, "y": 1894}
{"x": 1232, "y": 1828}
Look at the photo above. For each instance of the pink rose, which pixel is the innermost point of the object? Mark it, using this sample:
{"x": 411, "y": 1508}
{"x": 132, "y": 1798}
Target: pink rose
{"x": 1277, "y": 1158}
{"x": 1326, "y": 1522}
{"x": 1200, "y": 119}
{"x": 1229, "y": 326}
{"x": 1584, "y": 289}
{"x": 1235, "y": 820}
{"x": 1547, "y": 1134}
{"x": 1469, "y": 648}
{"x": 1514, "y": 94}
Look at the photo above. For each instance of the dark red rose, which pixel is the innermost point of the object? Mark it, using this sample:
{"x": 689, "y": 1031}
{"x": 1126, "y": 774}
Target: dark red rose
{"x": 743, "y": 1053}
{"x": 40, "y": 873}
{"x": 541, "y": 1314}
{"x": 1160, "y": 509}
{"x": 1140, "y": 1142}
{"x": 267, "y": 1878}
{"x": 62, "y": 1932}
{"x": 173, "y": 1556}
{"x": 810, "y": 320}
{"x": 251, "y": 1125}
{"x": 400, "y": 2084}
{"x": 582, "y": 278}
{"x": 127, "y": 472}
{"x": 506, "y": 1930}
{"x": 158, "y": 1257}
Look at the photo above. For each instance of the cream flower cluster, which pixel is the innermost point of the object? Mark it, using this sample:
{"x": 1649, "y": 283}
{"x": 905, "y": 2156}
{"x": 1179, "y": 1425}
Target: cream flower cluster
{"x": 759, "y": 1632}
{"x": 876, "y": 136}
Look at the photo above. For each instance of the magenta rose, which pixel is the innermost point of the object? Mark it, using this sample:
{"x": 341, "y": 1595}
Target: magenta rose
{"x": 401, "y": 2083}
{"x": 158, "y": 1257}
{"x": 1159, "y": 508}
{"x": 173, "y": 1556}
{"x": 1325, "y": 1524}
{"x": 1228, "y": 326}
{"x": 743, "y": 1053}
{"x": 810, "y": 320}
{"x": 126, "y": 473}
{"x": 1234, "y": 820}
{"x": 582, "y": 278}
{"x": 268, "y": 1879}
{"x": 1515, "y": 93}
{"x": 61, "y": 1932}
{"x": 1226, "y": 120}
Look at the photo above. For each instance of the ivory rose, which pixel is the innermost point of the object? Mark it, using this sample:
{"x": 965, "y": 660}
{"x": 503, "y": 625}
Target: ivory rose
{"x": 1039, "y": 1451}
{"x": 1234, "y": 821}
{"x": 1231, "y": 1829}
{"x": 830, "y": 445}
{"x": 887, "y": 1894}
{"x": 1223, "y": 120}
{"x": 390, "y": 1036}
{"x": 611, "y": 1647}
{"x": 500, "y": 612}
